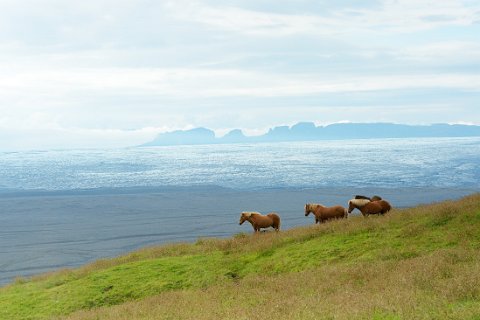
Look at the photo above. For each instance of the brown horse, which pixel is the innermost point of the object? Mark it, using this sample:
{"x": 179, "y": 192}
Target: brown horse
{"x": 374, "y": 198}
{"x": 368, "y": 207}
{"x": 323, "y": 213}
{"x": 260, "y": 221}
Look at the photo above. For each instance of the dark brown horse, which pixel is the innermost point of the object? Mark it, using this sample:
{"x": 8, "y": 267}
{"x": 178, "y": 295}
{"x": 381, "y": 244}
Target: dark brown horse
{"x": 368, "y": 207}
{"x": 260, "y": 221}
{"x": 323, "y": 213}
{"x": 374, "y": 198}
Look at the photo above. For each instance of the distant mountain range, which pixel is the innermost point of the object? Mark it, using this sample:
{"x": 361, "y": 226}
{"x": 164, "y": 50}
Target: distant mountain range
{"x": 307, "y": 131}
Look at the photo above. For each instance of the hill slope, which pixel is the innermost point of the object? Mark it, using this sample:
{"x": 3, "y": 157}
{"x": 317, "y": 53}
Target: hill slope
{"x": 421, "y": 262}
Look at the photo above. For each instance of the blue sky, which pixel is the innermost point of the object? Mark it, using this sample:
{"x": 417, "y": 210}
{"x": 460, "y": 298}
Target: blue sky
{"x": 115, "y": 73}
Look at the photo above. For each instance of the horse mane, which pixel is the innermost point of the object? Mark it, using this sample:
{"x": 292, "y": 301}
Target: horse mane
{"x": 315, "y": 205}
{"x": 250, "y": 213}
{"x": 359, "y": 202}
{"x": 362, "y": 197}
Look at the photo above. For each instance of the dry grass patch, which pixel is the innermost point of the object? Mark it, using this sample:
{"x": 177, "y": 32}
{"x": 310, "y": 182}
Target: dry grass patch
{"x": 438, "y": 286}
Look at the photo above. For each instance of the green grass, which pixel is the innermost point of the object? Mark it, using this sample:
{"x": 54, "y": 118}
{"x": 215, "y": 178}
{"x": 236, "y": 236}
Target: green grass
{"x": 422, "y": 259}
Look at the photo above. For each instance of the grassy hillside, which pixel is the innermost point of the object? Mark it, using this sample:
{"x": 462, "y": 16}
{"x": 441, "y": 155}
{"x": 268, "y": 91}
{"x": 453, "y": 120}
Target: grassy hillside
{"x": 421, "y": 262}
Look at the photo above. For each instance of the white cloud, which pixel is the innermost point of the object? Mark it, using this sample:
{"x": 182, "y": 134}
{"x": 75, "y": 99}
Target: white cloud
{"x": 38, "y": 132}
{"x": 450, "y": 52}
{"x": 73, "y": 71}
{"x": 390, "y": 16}
{"x": 52, "y": 87}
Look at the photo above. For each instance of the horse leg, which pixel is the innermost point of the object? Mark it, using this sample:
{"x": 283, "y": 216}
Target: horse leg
{"x": 275, "y": 226}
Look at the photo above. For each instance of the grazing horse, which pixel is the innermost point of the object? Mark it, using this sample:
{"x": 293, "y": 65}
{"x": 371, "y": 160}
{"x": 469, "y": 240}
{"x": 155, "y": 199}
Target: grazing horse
{"x": 260, "y": 221}
{"x": 323, "y": 213}
{"x": 368, "y": 207}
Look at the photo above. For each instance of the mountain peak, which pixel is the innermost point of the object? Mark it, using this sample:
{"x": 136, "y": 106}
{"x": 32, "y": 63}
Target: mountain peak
{"x": 235, "y": 135}
{"x": 307, "y": 131}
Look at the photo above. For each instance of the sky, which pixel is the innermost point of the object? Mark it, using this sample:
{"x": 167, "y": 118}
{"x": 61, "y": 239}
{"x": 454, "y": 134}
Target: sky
{"x": 104, "y": 73}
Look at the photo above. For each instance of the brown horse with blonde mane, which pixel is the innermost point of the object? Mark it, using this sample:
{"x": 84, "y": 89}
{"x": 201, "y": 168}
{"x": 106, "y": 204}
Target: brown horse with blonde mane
{"x": 368, "y": 207}
{"x": 260, "y": 221}
{"x": 323, "y": 213}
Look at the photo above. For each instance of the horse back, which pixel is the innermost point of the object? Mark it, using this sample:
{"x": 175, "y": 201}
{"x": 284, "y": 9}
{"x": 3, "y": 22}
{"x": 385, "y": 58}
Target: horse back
{"x": 378, "y": 207}
{"x": 334, "y": 212}
{"x": 275, "y": 219}
{"x": 385, "y": 205}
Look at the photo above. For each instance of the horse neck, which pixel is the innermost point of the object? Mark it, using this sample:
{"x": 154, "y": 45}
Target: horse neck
{"x": 314, "y": 209}
{"x": 318, "y": 209}
{"x": 355, "y": 206}
{"x": 362, "y": 209}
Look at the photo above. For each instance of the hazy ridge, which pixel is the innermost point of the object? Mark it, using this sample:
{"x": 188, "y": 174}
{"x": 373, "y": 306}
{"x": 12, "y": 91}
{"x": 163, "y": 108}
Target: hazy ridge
{"x": 307, "y": 131}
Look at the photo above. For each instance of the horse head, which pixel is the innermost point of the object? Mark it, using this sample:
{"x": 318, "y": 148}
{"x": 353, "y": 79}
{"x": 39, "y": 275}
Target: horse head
{"x": 356, "y": 203}
{"x": 243, "y": 217}
{"x": 351, "y": 206}
{"x": 307, "y": 209}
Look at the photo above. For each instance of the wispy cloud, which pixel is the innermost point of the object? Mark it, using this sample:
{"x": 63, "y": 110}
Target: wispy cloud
{"x": 203, "y": 83}
{"x": 446, "y": 52}
{"x": 110, "y": 68}
{"x": 389, "y": 16}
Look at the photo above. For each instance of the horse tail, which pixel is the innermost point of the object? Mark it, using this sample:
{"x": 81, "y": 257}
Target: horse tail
{"x": 388, "y": 207}
{"x": 276, "y": 220}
